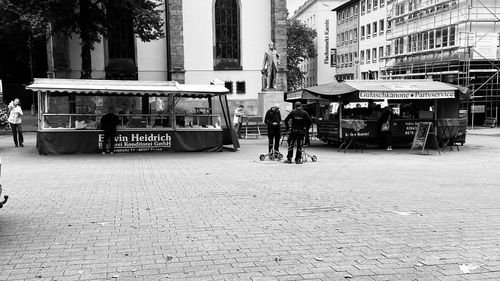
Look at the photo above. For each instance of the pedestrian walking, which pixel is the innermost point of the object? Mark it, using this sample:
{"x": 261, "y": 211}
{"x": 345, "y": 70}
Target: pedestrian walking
{"x": 238, "y": 120}
{"x": 109, "y": 122}
{"x": 273, "y": 121}
{"x": 15, "y": 113}
{"x": 386, "y": 128}
{"x": 301, "y": 121}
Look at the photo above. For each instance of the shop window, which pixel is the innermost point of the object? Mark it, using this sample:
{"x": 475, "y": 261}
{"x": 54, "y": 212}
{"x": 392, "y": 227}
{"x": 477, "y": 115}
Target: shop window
{"x": 241, "y": 87}
{"x": 229, "y": 86}
{"x": 227, "y": 35}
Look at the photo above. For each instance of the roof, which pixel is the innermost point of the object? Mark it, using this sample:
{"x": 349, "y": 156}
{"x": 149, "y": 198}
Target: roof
{"x": 346, "y": 4}
{"x": 382, "y": 89}
{"x": 125, "y": 87}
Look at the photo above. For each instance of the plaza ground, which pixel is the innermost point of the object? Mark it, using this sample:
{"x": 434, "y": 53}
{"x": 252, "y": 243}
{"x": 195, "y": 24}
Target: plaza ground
{"x": 377, "y": 215}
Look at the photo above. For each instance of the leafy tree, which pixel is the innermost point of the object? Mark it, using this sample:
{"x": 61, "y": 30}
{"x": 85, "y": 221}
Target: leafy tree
{"x": 300, "y": 47}
{"x": 89, "y": 19}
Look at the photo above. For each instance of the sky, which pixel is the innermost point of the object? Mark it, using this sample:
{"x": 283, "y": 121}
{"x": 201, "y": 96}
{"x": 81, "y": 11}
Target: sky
{"x": 294, "y": 5}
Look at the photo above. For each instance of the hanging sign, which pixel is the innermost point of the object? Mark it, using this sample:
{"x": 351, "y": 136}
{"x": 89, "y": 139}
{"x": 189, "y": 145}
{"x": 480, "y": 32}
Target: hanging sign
{"x": 407, "y": 95}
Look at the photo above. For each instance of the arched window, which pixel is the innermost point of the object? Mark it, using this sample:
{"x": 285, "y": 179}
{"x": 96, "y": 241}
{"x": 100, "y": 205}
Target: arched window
{"x": 227, "y": 35}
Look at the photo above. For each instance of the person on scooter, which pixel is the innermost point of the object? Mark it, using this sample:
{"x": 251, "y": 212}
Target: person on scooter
{"x": 301, "y": 121}
{"x": 273, "y": 121}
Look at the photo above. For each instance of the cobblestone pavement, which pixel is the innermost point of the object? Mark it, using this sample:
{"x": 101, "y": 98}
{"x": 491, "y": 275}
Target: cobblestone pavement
{"x": 378, "y": 215}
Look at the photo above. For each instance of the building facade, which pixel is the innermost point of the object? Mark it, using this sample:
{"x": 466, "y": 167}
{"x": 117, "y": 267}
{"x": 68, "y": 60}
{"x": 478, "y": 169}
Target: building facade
{"x": 347, "y": 34}
{"x": 317, "y": 15}
{"x": 221, "y": 40}
{"x": 453, "y": 41}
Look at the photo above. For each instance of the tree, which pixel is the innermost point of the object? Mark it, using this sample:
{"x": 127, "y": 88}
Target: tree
{"x": 89, "y": 19}
{"x": 300, "y": 47}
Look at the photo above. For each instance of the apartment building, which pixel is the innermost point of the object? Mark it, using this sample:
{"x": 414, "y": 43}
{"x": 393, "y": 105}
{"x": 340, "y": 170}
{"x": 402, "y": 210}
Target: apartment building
{"x": 347, "y": 54}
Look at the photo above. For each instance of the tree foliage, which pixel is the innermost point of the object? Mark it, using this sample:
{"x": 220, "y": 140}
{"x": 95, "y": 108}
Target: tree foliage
{"x": 300, "y": 47}
{"x": 88, "y": 19}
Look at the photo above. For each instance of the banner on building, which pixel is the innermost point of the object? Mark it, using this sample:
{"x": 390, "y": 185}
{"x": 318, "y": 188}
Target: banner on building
{"x": 407, "y": 95}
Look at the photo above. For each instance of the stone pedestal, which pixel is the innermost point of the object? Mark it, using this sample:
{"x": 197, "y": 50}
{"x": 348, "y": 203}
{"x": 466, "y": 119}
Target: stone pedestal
{"x": 268, "y": 98}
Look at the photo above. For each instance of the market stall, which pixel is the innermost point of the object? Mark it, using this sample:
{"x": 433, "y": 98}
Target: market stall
{"x": 412, "y": 101}
{"x": 154, "y": 116}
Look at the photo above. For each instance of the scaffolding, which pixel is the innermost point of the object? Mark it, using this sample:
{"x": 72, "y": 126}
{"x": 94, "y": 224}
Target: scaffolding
{"x": 454, "y": 41}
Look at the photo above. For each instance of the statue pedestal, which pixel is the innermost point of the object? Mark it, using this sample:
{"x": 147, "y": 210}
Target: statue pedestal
{"x": 269, "y": 98}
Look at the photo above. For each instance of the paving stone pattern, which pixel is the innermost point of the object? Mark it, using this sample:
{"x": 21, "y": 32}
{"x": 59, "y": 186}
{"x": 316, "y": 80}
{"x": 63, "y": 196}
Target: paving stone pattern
{"x": 378, "y": 215}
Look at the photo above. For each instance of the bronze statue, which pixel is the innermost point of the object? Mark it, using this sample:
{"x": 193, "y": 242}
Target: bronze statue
{"x": 270, "y": 66}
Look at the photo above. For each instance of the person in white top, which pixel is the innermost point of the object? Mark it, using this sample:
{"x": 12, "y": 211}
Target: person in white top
{"x": 15, "y": 113}
{"x": 238, "y": 120}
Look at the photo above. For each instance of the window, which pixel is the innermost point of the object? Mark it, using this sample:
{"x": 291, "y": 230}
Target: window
{"x": 227, "y": 35}
{"x": 374, "y": 29}
{"x": 445, "y": 37}
{"x": 400, "y": 9}
{"x": 362, "y": 32}
{"x": 355, "y": 31}
{"x": 347, "y": 14}
{"x": 380, "y": 53}
{"x": 355, "y": 55}
{"x": 363, "y": 6}
{"x": 355, "y": 11}
{"x": 367, "y": 56}
{"x": 368, "y": 30}
{"x": 381, "y": 26}
{"x": 425, "y": 40}
{"x": 362, "y": 57}
{"x": 374, "y": 54}
{"x": 387, "y": 50}
{"x": 389, "y": 25}
{"x": 338, "y": 40}
{"x": 346, "y": 37}
{"x": 452, "y": 35}
{"x": 240, "y": 87}
{"x": 350, "y": 59}
{"x": 229, "y": 86}
{"x": 375, "y": 4}
{"x": 438, "y": 38}
{"x": 342, "y": 38}
{"x": 414, "y": 43}
{"x": 419, "y": 42}
{"x": 382, "y": 3}
{"x": 368, "y": 5}
{"x": 431, "y": 39}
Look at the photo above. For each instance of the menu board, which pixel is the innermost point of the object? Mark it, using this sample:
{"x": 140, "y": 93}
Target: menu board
{"x": 421, "y": 135}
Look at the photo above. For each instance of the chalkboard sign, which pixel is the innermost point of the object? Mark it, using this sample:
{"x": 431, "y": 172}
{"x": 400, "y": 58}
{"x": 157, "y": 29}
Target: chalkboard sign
{"x": 421, "y": 135}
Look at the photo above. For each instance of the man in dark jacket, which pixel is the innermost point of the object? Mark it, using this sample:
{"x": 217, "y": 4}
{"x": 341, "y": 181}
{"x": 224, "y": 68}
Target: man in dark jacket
{"x": 273, "y": 121}
{"x": 301, "y": 121}
{"x": 109, "y": 122}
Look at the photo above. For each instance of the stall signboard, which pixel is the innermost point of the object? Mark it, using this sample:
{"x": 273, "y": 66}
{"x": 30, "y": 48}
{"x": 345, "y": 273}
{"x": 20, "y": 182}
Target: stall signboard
{"x": 407, "y": 95}
{"x": 140, "y": 141}
{"x": 421, "y": 136}
{"x": 297, "y": 95}
{"x": 478, "y": 108}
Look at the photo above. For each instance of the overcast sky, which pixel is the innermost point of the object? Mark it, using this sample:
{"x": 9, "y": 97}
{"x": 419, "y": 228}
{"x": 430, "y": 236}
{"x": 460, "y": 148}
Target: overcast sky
{"x": 294, "y": 5}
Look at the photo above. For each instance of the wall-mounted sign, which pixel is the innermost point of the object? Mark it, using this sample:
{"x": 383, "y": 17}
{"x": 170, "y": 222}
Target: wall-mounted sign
{"x": 327, "y": 42}
{"x": 140, "y": 141}
{"x": 407, "y": 95}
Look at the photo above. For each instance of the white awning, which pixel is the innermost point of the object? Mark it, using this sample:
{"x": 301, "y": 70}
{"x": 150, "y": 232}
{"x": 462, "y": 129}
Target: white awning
{"x": 125, "y": 87}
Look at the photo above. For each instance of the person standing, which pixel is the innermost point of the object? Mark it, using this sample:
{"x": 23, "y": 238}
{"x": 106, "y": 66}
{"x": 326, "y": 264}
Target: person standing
{"x": 238, "y": 120}
{"x": 15, "y": 113}
{"x": 109, "y": 122}
{"x": 270, "y": 65}
{"x": 386, "y": 128}
{"x": 301, "y": 121}
{"x": 273, "y": 121}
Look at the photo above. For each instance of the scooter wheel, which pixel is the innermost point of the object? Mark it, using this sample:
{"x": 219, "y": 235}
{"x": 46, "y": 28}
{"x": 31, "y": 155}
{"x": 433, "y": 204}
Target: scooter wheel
{"x": 280, "y": 157}
{"x": 314, "y": 158}
{"x": 262, "y": 157}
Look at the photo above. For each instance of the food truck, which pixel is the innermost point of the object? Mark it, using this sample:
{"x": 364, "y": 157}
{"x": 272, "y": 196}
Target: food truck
{"x": 352, "y": 109}
{"x": 154, "y": 116}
